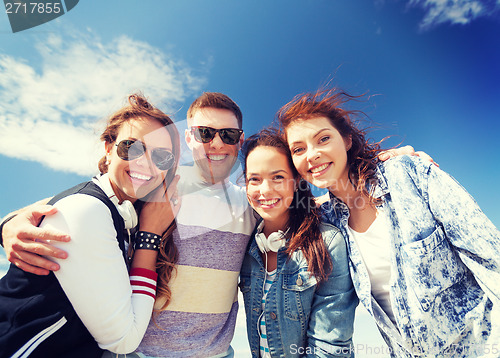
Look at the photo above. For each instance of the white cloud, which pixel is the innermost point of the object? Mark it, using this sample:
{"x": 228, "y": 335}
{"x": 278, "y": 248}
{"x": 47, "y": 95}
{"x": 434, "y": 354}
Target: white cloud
{"x": 53, "y": 108}
{"x": 453, "y": 11}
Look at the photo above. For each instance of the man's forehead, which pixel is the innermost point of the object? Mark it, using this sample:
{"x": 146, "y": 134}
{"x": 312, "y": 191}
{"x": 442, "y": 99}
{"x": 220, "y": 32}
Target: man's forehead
{"x": 214, "y": 117}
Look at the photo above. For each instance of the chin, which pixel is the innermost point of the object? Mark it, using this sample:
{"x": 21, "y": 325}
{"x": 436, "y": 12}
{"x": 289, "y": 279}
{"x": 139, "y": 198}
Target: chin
{"x": 318, "y": 183}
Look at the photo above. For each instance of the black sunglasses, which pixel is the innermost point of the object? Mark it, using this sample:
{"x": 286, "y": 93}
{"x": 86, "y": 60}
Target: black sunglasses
{"x": 229, "y": 136}
{"x": 130, "y": 149}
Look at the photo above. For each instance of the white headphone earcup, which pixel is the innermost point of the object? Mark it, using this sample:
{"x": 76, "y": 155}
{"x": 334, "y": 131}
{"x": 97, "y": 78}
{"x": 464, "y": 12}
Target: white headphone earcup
{"x": 274, "y": 242}
{"x": 261, "y": 239}
{"x": 125, "y": 209}
{"x": 128, "y": 213}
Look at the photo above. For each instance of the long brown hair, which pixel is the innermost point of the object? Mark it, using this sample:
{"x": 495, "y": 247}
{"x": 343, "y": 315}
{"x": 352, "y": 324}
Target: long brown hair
{"x": 362, "y": 157}
{"x": 304, "y": 219}
{"x": 139, "y": 108}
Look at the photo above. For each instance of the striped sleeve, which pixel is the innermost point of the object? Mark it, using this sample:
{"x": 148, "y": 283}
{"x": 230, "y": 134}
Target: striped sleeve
{"x": 143, "y": 282}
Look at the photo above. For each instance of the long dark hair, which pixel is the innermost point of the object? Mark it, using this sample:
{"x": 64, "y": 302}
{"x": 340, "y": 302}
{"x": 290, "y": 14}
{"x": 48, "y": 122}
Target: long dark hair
{"x": 139, "y": 108}
{"x": 304, "y": 219}
{"x": 362, "y": 157}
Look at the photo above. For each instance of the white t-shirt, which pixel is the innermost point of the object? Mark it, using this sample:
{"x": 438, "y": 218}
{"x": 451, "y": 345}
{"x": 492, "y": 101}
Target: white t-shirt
{"x": 374, "y": 246}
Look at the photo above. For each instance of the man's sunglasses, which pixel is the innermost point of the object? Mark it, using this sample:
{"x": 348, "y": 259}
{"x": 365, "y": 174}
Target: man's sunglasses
{"x": 229, "y": 136}
{"x": 130, "y": 149}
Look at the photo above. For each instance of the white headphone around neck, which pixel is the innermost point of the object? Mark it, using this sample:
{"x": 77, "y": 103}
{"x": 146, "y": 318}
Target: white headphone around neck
{"x": 273, "y": 242}
{"x": 125, "y": 209}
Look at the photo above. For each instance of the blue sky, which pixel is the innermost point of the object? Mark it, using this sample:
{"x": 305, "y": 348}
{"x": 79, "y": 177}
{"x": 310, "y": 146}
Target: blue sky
{"x": 431, "y": 69}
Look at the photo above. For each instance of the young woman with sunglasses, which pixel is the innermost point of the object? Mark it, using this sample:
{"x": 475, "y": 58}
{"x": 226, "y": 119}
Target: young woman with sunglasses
{"x": 298, "y": 294}
{"x": 91, "y": 304}
{"x": 424, "y": 258}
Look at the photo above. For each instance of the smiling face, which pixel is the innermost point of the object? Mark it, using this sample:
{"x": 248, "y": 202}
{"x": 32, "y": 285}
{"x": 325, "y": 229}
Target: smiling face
{"x": 319, "y": 152}
{"x": 216, "y": 158}
{"x": 134, "y": 179}
{"x": 270, "y": 185}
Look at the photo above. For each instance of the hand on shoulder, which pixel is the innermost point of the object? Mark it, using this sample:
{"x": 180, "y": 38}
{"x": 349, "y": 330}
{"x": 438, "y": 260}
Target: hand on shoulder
{"x": 24, "y": 242}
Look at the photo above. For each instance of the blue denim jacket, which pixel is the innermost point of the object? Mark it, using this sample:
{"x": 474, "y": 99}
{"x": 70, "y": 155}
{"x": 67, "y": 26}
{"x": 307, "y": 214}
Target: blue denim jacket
{"x": 302, "y": 318}
{"x": 445, "y": 283}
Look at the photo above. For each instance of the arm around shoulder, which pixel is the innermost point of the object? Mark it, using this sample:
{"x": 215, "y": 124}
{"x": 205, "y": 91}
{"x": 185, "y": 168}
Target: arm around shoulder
{"x": 24, "y": 241}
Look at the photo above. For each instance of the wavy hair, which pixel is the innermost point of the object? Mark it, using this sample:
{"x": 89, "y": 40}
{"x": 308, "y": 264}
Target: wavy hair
{"x": 362, "y": 157}
{"x": 138, "y": 108}
{"x": 304, "y": 219}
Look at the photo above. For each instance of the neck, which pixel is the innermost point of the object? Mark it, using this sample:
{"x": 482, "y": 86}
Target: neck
{"x": 345, "y": 191}
{"x": 119, "y": 194}
{"x": 208, "y": 178}
{"x": 271, "y": 226}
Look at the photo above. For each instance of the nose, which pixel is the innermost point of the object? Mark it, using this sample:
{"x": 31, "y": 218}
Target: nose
{"x": 312, "y": 154}
{"x": 144, "y": 161}
{"x": 265, "y": 188}
{"x": 217, "y": 142}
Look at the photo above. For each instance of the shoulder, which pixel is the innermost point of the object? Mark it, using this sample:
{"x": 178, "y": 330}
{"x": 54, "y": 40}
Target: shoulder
{"x": 83, "y": 207}
{"x": 332, "y": 236}
{"x": 86, "y": 219}
{"x": 410, "y": 164}
{"x": 404, "y": 171}
{"x": 336, "y": 246}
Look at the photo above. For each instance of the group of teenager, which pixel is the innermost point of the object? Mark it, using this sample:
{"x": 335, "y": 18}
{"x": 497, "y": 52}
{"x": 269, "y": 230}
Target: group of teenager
{"x": 145, "y": 258}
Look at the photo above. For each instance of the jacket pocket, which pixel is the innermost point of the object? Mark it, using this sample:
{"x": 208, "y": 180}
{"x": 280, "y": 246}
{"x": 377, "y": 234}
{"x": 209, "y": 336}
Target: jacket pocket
{"x": 34, "y": 342}
{"x": 298, "y": 291}
{"x": 432, "y": 267}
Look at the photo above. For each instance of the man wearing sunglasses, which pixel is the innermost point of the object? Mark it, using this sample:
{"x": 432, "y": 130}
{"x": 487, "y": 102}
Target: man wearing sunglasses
{"x": 214, "y": 135}
{"x": 214, "y": 225}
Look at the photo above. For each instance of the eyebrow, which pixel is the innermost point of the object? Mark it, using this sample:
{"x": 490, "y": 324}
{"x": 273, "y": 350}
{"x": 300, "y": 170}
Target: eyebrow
{"x": 143, "y": 142}
{"x": 314, "y": 136}
{"x": 272, "y": 173}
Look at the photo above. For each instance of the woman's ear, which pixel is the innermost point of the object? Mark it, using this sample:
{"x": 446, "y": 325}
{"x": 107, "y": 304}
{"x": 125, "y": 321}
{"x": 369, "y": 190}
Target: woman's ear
{"x": 108, "y": 147}
{"x": 348, "y": 142}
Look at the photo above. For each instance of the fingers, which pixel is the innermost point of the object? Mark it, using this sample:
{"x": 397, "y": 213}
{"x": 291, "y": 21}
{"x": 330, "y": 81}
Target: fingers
{"x": 37, "y": 212}
{"x": 30, "y": 262}
{"x": 31, "y": 269}
{"x": 406, "y": 150}
{"x": 44, "y": 235}
{"x": 387, "y": 154}
{"x": 44, "y": 210}
{"x": 24, "y": 241}
{"x": 425, "y": 156}
{"x": 157, "y": 213}
{"x": 36, "y": 247}
{"x": 176, "y": 205}
{"x": 172, "y": 188}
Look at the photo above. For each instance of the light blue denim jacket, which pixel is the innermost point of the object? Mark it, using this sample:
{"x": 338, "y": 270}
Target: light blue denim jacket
{"x": 445, "y": 283}
{"x": 302, "y": 318}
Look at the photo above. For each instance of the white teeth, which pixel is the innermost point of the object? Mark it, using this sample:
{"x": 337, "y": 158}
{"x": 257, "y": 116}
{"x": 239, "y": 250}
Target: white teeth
{"x": 216, "y": 157}
{"x": 320, "y": 168}
{"x": 139, "y": 176}
{"x": 268, "y": 202}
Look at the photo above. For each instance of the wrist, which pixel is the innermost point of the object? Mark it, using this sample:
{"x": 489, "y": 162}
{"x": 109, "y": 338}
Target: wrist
{"x": 150, "y": 229}
{"x": 145, "y": 240}
{"x": 5, "y": 221}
